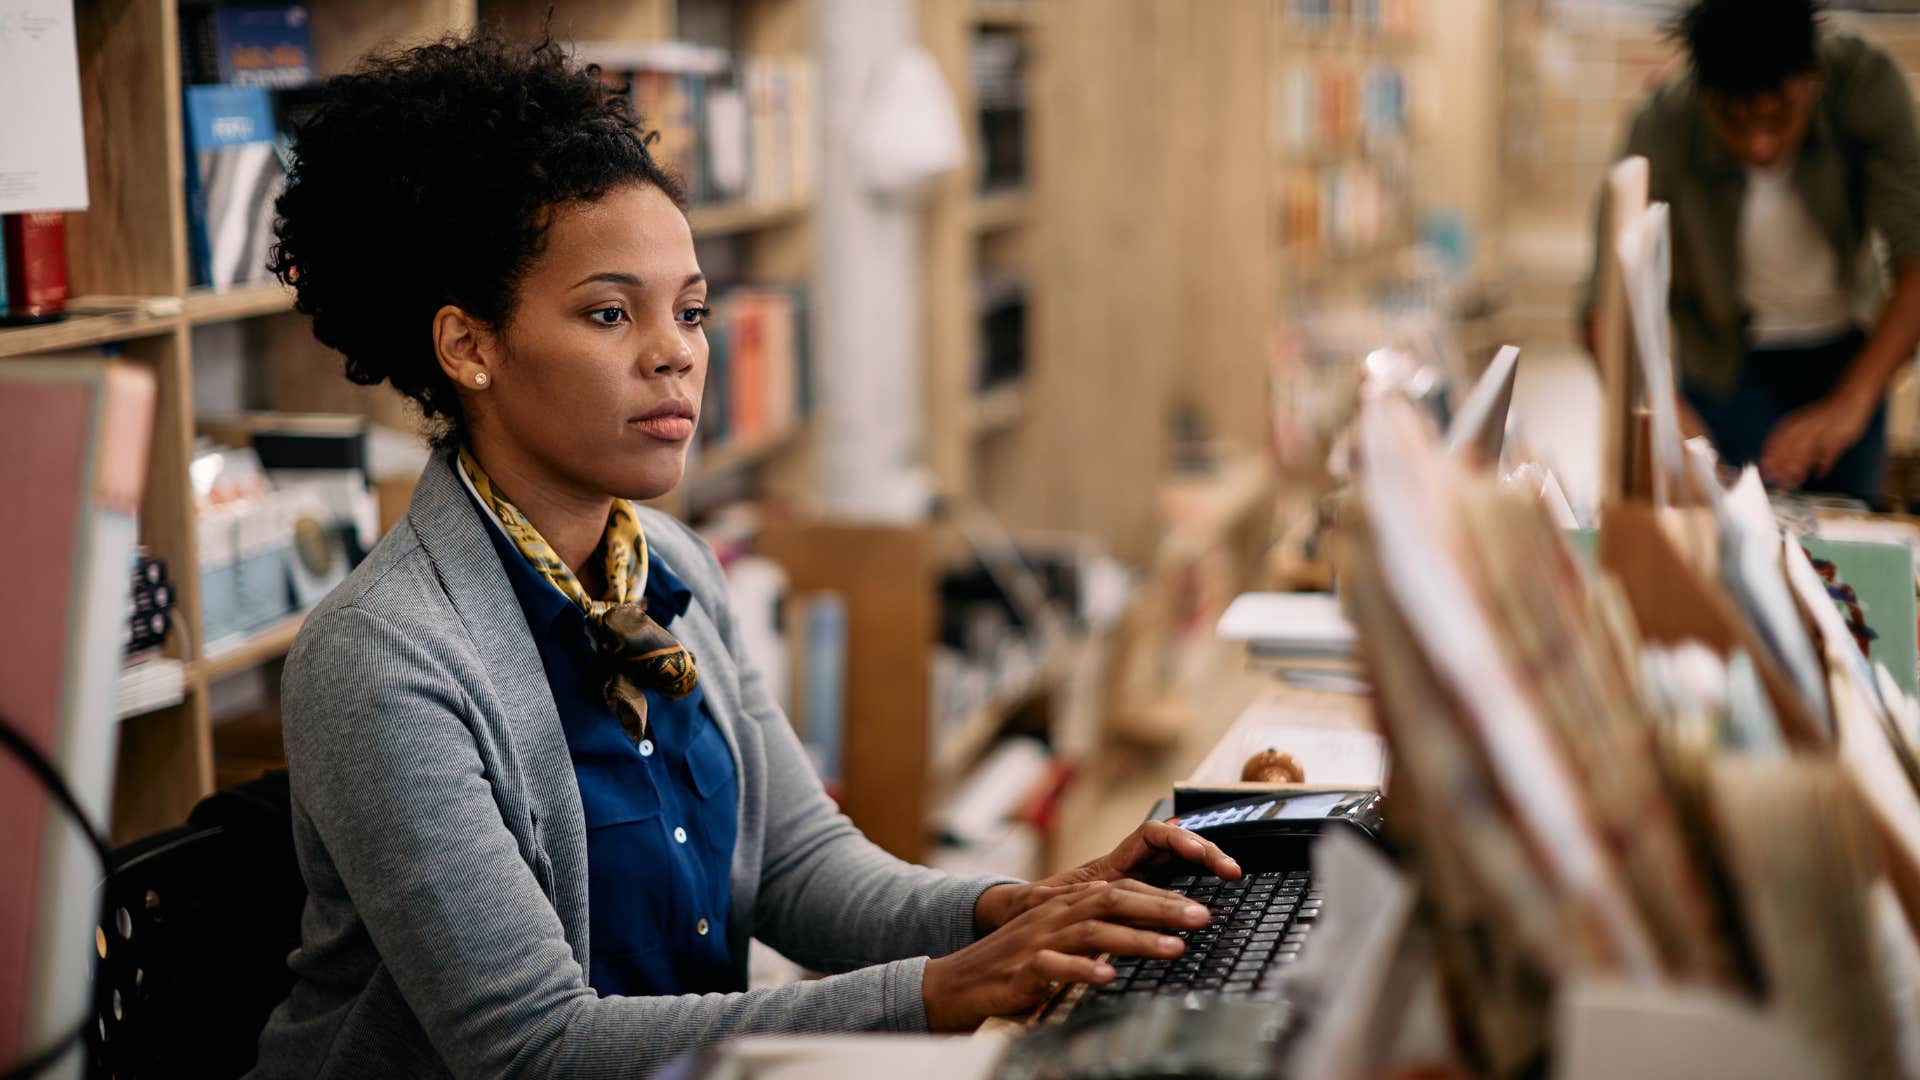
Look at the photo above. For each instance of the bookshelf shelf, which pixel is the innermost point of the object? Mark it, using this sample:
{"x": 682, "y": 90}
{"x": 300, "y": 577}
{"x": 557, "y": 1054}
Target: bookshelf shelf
{"x": 964, "y": 746}
{"x": 82, "y": 331}
{"x": 999, "y": 408}
{"x": 247, "y": 302}
{"x": 252, "y": 651}
{"x": 1002, "y": 13}
{"x": 1350, "y": 40}
{"x": 999, "y": 210}
{"x": 733, "y": 456}
{"x": 732, "y": 218}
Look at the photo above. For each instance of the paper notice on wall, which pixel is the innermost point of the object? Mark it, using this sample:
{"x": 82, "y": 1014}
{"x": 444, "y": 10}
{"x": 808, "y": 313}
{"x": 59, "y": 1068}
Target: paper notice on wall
{"x": 43, "y": 153}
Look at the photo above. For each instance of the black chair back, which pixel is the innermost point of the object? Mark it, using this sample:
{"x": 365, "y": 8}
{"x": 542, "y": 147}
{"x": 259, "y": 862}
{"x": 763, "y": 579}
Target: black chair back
{"x": 191, "y": 952}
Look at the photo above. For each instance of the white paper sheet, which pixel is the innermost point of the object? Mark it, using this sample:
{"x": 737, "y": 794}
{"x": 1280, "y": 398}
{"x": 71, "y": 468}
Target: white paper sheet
{"x": 1289, "y": 624}
{"x": 1331, "y": 757}
{"x": 43, "y": 151}
{"x": 1646, "y": 259}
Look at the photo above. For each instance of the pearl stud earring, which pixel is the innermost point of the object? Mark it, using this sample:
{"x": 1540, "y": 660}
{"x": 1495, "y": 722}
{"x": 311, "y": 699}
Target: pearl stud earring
{"x": 479, "y": 378}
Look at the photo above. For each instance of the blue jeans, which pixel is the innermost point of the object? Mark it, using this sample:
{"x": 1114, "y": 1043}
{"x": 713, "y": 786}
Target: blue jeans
{"x": 1775, "y": 382}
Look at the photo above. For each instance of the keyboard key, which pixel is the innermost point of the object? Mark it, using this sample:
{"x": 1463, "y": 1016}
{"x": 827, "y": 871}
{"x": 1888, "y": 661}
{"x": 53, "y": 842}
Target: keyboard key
{"x": 1185, "y": 881}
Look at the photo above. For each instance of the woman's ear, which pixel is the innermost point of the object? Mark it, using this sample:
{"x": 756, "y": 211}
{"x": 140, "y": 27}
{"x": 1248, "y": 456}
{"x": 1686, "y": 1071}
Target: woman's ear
{"x": 465, "y": 348}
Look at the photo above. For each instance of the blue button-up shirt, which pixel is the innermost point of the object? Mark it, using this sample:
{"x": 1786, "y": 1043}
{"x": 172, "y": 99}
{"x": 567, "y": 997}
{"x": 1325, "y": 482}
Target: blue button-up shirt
{"x": 662, "y": 816}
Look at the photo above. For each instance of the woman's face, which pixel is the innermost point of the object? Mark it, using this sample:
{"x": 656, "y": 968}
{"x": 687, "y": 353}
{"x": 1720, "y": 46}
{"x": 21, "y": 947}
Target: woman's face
{"x": 598, "y": 384}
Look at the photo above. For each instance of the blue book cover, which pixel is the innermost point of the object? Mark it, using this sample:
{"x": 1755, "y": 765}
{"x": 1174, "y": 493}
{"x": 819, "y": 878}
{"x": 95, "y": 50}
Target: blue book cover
{"x": 233, "y": 177}
{"x": 826, "y": 680}
{"x": 263, "y": 46}
{"x": 3, "y": 278}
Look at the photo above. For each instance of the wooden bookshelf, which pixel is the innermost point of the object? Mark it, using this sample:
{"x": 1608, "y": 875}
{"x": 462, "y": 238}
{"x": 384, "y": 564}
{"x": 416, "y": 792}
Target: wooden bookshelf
{"x": 204, "y": 305}
{"x": 268, "y": 643}
{"x": 133, "y": 242}
{"x": 999, "y": 210}
{"x": 82, "y": 331}
{"x": 958, "y": 752}
{"x": 733, "y": 456}
{"x": 969, "y": 234}
{"x": 1006, "y": 13}
{"x": 999, "y": 408}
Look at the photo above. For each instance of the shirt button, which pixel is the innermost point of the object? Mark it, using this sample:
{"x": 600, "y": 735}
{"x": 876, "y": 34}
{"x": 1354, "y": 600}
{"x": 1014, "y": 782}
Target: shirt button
{"x": 680, "y": 837}
{"x": 701, "y": 927}
{"x": 646, "y": 747}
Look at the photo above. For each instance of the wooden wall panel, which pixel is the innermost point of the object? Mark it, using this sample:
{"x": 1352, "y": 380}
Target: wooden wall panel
{"x": 1150, "y": 249}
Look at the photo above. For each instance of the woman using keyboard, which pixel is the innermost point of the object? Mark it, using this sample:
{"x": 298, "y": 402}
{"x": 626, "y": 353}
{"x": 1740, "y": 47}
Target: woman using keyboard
{"x": 541, "y": 799}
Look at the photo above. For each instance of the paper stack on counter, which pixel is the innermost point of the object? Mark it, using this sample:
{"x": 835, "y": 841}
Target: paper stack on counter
{"x": 1301, "y": 637}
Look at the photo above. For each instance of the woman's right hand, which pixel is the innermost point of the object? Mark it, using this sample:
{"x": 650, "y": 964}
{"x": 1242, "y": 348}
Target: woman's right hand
{"x": 1056, "y": 940}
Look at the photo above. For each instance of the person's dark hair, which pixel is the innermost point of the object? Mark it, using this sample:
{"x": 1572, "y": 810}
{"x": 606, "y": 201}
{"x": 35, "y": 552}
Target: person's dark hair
{"x": 1743, "y": 48}
{"x": 427, "y": 177}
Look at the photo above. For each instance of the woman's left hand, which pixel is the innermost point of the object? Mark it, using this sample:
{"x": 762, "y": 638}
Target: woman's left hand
{"x": 1154, "y": 844}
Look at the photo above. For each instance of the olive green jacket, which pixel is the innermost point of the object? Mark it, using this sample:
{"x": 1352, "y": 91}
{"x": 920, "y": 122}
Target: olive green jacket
{"x": 1858, "y": 172}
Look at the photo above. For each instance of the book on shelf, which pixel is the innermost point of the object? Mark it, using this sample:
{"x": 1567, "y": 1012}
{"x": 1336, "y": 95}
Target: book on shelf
{"x": 1345, "y": 208}
{"x": 760, "y": 367}
{"x": 1330, "y": 107}
{"x": 148, "y": 683}
{"x": 234, "y": 174}
{"x": 75, "y": 431}
{"x": 823, "y": 680}
{"x": 1361, "y": 16}
{"x": 734, "y": 128}
{"x": 35, "y": 247}
{"x": 246, "y": 45}
{"x": 999, "y": 73}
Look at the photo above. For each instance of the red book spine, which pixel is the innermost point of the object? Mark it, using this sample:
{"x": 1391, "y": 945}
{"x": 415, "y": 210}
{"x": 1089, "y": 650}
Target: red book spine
{"x": 36, "y": 264}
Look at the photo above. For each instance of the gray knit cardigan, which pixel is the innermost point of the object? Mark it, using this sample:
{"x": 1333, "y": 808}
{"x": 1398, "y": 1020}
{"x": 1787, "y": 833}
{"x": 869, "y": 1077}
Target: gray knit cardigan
{"x": 441, "y": 836}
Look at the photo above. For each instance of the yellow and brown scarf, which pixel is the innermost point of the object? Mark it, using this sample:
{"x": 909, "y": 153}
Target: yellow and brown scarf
{"x": 640, "y": 654}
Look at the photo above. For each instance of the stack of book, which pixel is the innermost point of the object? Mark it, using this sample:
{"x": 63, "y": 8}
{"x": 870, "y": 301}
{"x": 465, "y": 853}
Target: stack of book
{"x": 1674, "y": 770}
{"x": 734, "y": 128}
{"x": 1342, "y": 209}
{"x": 1359, "y": 16}
{"x": 999, "y": 65}
{"x": 1325, "y": 108}
{"x": 759, "y": 376}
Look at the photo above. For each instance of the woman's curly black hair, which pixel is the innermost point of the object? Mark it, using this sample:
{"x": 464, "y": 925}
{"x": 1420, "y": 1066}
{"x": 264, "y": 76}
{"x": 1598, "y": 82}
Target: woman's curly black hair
{"x": 426, "y": 178}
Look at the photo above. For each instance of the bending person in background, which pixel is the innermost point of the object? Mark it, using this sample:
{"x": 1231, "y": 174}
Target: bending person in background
{"x": 1784, "y": 150}
{"x": 542, "y": 800}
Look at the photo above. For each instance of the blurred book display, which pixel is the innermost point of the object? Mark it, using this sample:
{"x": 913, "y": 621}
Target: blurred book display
{"x": 234, "y": 175}
{"x": 1674, "y": 768}
{"x": 1576, "y": 812}
{"x": 285, "y": 511}
{"x": 999, "y": 70}
{"x": 759, "y": 374}
{"x": 735, "y": 128}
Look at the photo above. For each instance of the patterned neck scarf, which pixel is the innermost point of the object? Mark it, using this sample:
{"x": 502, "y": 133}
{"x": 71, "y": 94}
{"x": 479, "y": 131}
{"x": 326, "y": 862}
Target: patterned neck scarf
{"x": 639, "y": 652}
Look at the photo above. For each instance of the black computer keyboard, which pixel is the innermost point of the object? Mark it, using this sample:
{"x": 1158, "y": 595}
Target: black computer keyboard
{"x": 1260, "y": 925}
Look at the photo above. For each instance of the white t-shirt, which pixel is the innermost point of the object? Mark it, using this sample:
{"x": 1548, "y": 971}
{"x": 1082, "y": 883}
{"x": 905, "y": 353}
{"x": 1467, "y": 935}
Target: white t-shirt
{"x": 1789, "y": 274}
